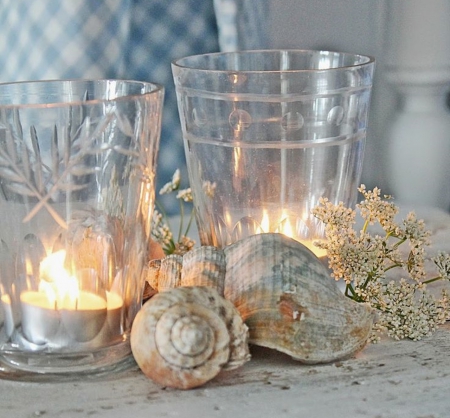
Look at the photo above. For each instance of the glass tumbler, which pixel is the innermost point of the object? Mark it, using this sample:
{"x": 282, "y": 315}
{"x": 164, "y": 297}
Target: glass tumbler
{"x": 267, "y": 134}
{"x": 77, "y": 170}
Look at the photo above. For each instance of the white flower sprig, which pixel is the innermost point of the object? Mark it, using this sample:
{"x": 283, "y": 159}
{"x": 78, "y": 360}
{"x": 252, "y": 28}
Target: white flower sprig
{"x": 161, "y": 231}
{"x": 362, "y": 260}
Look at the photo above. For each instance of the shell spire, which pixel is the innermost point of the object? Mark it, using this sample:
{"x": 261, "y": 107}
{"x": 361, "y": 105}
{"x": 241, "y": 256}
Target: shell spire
{"x": 185, "y": 336}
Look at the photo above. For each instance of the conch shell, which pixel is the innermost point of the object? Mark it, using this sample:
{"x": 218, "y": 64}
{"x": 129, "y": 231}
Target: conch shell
{"x": 283, "y": 292}
{"x": 184, "y": 337}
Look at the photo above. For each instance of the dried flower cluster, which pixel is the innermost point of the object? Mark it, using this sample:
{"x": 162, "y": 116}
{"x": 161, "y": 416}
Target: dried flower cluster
{"x": 161, "y": 230}
{"x": 366, "y": 260}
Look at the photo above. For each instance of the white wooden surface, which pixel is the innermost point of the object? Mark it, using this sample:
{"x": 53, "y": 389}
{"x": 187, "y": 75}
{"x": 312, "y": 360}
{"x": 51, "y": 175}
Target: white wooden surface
{"x": 389, "y": 380}
{"x": 393, "y": 379}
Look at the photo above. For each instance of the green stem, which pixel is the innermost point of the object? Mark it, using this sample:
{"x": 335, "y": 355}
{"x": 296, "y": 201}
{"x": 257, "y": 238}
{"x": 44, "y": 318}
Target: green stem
{"x": 434, "y": 279}
{"x": 161, "y": 209}
{"x": 349, "y": 288}
{"x": 366, "y": 282}
{"x": 180, "y": 230}
{"x": 191, "y": 219}
{"x": 170, "y": 248}
{"x": 365, "y": 226}
{"x": 392, "y": 267}
{"x": 395, "y": 246}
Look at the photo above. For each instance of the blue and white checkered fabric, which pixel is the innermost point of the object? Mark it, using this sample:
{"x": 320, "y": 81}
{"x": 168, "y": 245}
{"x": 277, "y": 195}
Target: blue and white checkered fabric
{"x": 161, "y": 31}
{"x": 50, "y": 39}
{"x": 132, "y": 39}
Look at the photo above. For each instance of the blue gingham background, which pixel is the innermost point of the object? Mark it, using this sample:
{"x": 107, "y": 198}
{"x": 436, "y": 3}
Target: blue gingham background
{"x": 132, "y": 39}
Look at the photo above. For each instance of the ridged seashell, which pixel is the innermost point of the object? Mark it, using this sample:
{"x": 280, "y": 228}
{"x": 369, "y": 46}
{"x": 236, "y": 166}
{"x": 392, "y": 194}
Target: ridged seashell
{"x": 289, "y": 302}
{"x": 165, "y": 275}
{"x": 184, "y": 337}
{"x": 285, "y": 296}
{"x": 209, "y": 272}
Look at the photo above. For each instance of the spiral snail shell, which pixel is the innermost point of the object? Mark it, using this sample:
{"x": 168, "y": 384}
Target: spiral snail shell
{"x": 283, "y": 292}
{"x": 184, "y": 337}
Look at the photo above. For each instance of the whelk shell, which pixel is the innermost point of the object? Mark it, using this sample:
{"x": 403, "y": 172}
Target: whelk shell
{"x": 184, "y": 337}
{"x": 283, "y": 292}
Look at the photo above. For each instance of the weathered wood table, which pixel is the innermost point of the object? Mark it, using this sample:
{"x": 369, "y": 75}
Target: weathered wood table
{"x": 392, "y": 379}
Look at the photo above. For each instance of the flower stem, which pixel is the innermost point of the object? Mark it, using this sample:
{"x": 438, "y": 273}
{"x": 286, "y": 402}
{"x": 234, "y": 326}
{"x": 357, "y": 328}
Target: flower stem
{"x": 367, "y": 281}
{"x": 349, "y": 289}
{"x": 434, "y": 279}
{"x": 365, "y": 226}
{"x": 397, "y": 244}
{"x": 392, "y": 266}
{"x": 191, "y": 219}
{"x": 161, "y": 209}
{"x": 180, "y": 230}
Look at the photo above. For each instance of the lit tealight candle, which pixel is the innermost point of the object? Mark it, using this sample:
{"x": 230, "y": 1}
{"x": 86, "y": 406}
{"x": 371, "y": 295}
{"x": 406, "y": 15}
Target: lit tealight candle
{"x": 86, "y": 320}
{"x": 41, "y": 320}
{"x": 58, "y": 308}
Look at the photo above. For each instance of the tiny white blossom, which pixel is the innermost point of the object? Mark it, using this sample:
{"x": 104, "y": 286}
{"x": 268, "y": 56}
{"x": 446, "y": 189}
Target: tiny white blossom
{"x": 184, "y": 245}
{"x": 160, "y": 228}
{"x": 185, "y": 195}
{"x": 442, "y": 262}
{"x": 160, "y": 231}
{"x": 172, "y": 185}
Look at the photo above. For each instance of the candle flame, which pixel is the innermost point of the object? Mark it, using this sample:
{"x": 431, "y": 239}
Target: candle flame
{"x": 285, "y": 225}
{"x": 265, "y": 222}
{"x": 227, "y": 217}
{"x": 60, "y": 287}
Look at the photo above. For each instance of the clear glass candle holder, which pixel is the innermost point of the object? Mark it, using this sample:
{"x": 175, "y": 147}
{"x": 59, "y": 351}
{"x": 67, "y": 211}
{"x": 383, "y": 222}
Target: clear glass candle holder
{"x": 77, "y": 169}
{"x": 267, "y": 134}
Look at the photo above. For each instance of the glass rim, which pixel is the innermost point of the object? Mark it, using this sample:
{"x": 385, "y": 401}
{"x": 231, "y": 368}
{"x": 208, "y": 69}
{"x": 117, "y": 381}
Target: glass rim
{"x": 154, "y": 89}
{"x": 182, "y": 63}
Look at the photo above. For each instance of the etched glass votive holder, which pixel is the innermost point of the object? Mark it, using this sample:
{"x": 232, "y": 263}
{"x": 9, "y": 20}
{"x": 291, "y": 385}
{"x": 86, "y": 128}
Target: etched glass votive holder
{"x": 77, "y": 169}
{"x": 267, "y": 134}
